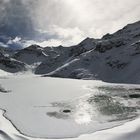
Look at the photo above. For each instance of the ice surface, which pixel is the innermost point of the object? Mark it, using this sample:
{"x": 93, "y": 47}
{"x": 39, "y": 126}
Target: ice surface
{"x": 62, "y": 108}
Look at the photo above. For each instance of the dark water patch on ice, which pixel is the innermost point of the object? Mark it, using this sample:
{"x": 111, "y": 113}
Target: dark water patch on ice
{"x": 58, "y": 115}
{"x": 117, "y": 88}
{"x": 3, "y": 90}
{"x": 134, "y": 96}
{"x": 66, "y": 111}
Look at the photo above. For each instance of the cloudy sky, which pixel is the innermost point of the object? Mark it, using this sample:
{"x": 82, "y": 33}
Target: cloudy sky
{"x": 66, "y": 22}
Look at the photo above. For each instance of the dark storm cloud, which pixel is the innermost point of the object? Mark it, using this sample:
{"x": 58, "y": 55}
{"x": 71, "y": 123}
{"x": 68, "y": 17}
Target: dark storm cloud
{"x": 15, "y": 19}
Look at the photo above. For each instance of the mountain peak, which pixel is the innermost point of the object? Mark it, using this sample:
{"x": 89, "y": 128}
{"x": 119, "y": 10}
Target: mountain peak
{"x": 130, "y": 31}
{"x": 34, "y": 47}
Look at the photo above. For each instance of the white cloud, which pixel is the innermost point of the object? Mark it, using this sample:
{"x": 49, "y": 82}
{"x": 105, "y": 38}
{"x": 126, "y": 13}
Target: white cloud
{"x": 68, "y": 36}
{"x": 51, "y": 42}
{"x": 75, "y": 20}
{"x": 15, "y": 40}
{"x": 63, "y": 36}
{"x": 68, "y": 22}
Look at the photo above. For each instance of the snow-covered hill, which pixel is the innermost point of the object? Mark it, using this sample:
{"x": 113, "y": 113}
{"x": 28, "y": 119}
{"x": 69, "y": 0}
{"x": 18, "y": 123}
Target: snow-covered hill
{"x": 113, "y": 58}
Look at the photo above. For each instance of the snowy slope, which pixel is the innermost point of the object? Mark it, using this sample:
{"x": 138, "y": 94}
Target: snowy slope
{"x": 4, "y": 73}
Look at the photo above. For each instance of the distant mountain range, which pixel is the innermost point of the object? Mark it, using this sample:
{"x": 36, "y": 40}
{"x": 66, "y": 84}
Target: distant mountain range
{"x": 113, "y": 58}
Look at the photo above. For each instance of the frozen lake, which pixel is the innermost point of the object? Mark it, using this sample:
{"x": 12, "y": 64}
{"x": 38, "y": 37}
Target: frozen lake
{"x": 51, "y": 108}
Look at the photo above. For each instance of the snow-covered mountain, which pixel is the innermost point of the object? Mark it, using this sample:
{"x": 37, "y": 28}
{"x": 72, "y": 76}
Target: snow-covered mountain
{"x": 113, "y": 58}
{"x": 32, "y": 54}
